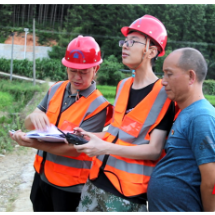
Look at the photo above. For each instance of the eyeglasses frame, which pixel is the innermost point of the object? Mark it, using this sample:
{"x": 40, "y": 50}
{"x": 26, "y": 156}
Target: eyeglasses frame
{"x": 133, "y": 41}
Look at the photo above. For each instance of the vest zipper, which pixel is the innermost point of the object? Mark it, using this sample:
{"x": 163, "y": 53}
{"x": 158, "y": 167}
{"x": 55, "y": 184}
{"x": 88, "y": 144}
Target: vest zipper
{"x": 106, "y": 156}
{"x": 104, "y": 163}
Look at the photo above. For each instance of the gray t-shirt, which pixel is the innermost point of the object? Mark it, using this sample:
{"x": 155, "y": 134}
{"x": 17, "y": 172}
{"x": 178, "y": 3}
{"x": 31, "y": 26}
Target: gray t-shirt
{"x": 93, "y": 124}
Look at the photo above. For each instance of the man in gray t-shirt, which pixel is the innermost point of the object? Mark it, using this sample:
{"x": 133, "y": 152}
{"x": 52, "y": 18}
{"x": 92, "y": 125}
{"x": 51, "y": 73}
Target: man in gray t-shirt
{"x": 60, "y": 170}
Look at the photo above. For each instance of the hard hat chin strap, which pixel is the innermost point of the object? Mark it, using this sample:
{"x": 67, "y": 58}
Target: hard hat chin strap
{"x": 146, "y": 48}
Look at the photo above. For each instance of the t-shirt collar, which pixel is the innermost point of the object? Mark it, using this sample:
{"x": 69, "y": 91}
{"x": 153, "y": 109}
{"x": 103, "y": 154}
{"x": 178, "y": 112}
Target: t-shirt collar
{"x": 85, "y": 92}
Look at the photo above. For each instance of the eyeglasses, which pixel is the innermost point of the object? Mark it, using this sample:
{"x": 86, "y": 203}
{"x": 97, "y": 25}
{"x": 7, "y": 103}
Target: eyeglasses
{"x": 129, "y": 43}
{"x": 83, "y": 72}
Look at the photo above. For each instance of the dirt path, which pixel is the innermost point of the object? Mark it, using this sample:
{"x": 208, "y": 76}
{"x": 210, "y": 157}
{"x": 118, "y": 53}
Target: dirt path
{"x": 16, "y": 175}
{"x": 17, "y": 172}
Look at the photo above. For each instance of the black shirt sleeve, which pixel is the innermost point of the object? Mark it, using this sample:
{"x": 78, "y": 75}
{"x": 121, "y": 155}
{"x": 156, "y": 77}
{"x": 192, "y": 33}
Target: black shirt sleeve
{"x": 167, "y": 121}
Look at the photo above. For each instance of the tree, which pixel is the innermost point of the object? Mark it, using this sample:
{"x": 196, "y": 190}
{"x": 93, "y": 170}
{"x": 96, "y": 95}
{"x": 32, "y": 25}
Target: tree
{"x": 103, "y": 22}
{"x": 109, "y": 72}
{"x": 6, "y": 14}
{"x": 210, "y": 39}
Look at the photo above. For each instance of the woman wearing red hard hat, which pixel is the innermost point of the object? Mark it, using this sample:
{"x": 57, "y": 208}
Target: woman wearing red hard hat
{"x": 60, "y": 170}
{"x": 142, "y": 117}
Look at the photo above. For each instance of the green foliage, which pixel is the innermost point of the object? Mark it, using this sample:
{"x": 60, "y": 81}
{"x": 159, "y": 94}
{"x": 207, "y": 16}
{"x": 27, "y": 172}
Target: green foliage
{"x": 20, "y": 90}
{"x": 103, "y": 22}
{"x": 209, "y": 87}
{"x": 45, "y": 68}
{"x": 5, "y": 100}
{"x": 188, "y": 25}
{"x": 6, "y": 13}
{"x": 5, "y": 142}
{"x": 3, "y": 35}
{"x": 44, "y": 38}
{"x": 4, "y": 65}
{"x": 109, "y": 72}
{"x": 56, "y": 52}
{"x": 158, "y": 68}
{"x": 211, "y": 99}
{"x": 14, "y": 96}
{"x": 109, "y": 92}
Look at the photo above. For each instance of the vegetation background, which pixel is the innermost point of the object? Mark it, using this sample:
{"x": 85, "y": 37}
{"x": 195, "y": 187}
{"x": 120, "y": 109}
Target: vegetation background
{"x": 187, "y": 25}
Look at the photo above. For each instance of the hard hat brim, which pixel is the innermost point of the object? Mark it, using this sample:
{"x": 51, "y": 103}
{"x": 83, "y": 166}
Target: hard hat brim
{"x": 162, "y": 53}
{"x": 78, "y": 65}
{"x": 125, "y": 30}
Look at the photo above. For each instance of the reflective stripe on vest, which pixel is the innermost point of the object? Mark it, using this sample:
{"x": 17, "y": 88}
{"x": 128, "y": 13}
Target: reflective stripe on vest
{"x": 67, "y": 161}
{"x": 128, "y": 167}
{"x": 67, "y": 171}
{"x": 132, "y": 129}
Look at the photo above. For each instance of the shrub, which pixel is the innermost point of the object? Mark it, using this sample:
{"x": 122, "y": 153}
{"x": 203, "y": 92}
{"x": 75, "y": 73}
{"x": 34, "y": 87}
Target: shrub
{"x": 5, "y": 100}
{"x": 209, "y": 87}
{"x": 14, "y": 96}
{"x": 109, "y": 72}
{"x": 45, "y": 68}
{"x": 211, "y": 99}
{"x": 56, "y": 52}
{"x": 20, "y": 90}
{"x": 158, "y": 68}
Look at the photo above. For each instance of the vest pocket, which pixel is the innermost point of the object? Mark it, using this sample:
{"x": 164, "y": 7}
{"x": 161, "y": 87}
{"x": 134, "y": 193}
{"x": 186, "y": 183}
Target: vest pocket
{"x": 131, "y": 126}
{"x": 65, "y": 170}
{"x": 67, "y": 126}
{"x": 65, "y": 165}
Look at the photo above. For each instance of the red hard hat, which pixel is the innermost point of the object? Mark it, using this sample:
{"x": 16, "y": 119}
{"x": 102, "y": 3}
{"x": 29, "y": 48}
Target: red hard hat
{"x": 82, "y": 53}
{"x": 152, "y": 27}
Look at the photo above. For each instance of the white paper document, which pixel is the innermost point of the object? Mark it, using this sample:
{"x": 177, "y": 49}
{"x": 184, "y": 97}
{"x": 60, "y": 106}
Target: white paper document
{"x": 52, "y": 134}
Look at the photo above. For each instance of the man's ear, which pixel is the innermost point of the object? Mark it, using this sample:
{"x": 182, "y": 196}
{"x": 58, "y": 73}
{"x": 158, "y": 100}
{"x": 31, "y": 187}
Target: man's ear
{"x": 192, "y": 76}
{"x": 97, "y": 68}
{"x": 153, "y": 51}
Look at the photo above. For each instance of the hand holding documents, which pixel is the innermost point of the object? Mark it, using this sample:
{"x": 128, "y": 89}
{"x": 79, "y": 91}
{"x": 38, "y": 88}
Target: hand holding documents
{"x": 53, "y": 134}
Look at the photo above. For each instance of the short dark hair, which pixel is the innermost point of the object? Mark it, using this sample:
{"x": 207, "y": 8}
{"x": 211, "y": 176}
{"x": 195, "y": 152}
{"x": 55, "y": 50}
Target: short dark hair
{"x": 193, "y": 59}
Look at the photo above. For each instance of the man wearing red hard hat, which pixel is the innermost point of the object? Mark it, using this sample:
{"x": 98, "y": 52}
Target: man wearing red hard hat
{"x": 142, "y": 117}
{"x": 61, "y": 171}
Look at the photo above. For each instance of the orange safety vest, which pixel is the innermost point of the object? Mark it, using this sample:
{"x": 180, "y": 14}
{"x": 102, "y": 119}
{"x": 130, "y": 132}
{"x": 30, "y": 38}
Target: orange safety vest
{"x": 129, "y": 176}
{"x": 67, "y": 171}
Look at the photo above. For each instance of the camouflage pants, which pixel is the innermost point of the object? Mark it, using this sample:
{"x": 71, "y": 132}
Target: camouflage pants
{"x": 96, "y": 199}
